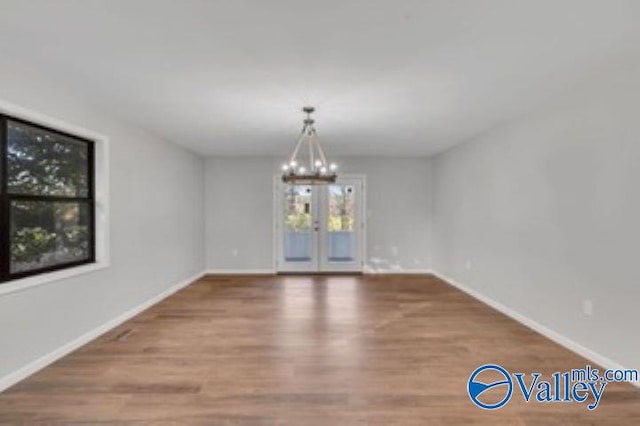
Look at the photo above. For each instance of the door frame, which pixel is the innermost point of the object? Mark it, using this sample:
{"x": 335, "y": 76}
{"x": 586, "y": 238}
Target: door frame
{"x": 277, "y": 224}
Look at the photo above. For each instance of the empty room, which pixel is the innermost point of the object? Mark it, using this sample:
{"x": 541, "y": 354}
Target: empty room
{"x": 339, "y": 212}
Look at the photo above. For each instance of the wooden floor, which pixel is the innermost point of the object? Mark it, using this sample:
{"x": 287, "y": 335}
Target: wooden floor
{"x": 292, "y": 350}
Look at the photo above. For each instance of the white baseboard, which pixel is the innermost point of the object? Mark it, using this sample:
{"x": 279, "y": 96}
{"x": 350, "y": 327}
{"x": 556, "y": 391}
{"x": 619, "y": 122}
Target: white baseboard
{"x": 564, "y": 341}
{"x": 240, "y": 272}
{"x": 373, "y": 271}
{"x": 366, "y": 271}
{"x": 38, "y": 364}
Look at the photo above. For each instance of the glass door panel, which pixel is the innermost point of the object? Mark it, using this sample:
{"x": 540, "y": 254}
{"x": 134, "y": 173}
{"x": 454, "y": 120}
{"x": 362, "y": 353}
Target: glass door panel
{"x": 340, "y": 236}
{"x": 298, "y": 226}
{"x": 299, "y": 229}
{"x": 340, "y": 221}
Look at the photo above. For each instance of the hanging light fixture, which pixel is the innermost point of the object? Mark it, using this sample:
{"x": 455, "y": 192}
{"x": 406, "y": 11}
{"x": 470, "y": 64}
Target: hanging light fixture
{"x": 313, "y": 169}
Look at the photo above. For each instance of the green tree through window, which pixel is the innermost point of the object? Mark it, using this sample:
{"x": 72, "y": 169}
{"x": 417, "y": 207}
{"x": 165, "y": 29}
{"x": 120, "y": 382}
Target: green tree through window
{"x": 47, "y": 199}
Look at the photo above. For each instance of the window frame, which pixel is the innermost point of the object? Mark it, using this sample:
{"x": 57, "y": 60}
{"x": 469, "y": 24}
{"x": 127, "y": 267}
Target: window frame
{"x": 6, "y": 198}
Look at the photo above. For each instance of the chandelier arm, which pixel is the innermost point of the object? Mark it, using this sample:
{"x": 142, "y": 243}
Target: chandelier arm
{"x": 300, "y": 139}
{"x": 320, "y": 151}
{"x": 311, "y": 163}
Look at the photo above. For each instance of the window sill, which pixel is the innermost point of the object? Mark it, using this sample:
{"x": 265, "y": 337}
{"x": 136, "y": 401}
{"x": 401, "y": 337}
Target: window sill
{"x": 36, "y": 280}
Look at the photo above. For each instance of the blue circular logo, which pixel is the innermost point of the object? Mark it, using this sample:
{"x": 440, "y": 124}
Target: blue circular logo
{"x": 476, "y": 388}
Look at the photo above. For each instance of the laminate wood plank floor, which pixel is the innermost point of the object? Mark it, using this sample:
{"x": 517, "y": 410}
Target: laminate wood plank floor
{"x": 305, "y": 350}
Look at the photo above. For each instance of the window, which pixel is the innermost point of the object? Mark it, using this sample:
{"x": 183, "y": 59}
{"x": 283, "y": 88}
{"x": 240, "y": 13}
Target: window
{"x": 47, "y": 206}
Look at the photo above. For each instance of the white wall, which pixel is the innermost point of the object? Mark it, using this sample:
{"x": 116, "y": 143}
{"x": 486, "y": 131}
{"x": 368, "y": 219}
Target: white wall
{"x": 156, "y": 229}
{"x": 547, "y": 212}
{"x": 239, "y": 212}
{"x": 398, "y": 211}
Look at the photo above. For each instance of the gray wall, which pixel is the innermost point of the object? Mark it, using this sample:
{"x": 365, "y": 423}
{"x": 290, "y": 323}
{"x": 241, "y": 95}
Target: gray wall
{"x": 239, "y": 212}
{"x": 156, "y": 229}
{"x": 543, "y": 214}
{"x": 398, "y": 211}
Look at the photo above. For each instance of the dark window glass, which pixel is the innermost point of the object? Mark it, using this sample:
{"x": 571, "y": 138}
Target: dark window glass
{"x": 46, "y": 200}
{"x": 41, "y": 162}
{"x": 48, "y": 233}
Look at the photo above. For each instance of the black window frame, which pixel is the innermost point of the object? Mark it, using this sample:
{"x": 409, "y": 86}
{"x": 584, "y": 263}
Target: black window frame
{"x": 6, "y": 198}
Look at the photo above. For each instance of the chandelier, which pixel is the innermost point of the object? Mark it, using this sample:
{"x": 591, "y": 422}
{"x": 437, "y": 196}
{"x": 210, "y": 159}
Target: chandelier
{"x": 308, "y": 164}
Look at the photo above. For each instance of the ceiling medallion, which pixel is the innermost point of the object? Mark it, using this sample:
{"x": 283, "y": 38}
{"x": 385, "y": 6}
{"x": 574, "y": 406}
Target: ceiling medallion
{"x": 308, "y": 164}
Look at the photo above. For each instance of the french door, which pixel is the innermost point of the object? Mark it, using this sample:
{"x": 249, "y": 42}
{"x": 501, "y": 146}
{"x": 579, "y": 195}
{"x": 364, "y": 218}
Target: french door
{"x": 320, "y": 228}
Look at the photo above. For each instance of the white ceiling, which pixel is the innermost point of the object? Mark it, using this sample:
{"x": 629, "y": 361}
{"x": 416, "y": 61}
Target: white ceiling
{"x": 387, "y": 77}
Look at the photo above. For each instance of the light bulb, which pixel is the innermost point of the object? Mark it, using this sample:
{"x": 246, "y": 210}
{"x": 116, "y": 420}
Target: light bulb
{"x": 285, "y": 167}
{"x": 301, "y": 170}
{"x": 333, "y": 167}
{"x": 318, "y": 163}
{"x": 323, "y": 170}
{"x": 293, "y": 163}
